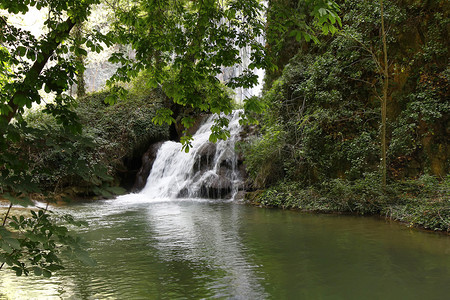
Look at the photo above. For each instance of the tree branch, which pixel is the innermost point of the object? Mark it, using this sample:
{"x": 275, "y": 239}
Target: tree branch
{"x": 49, "y": 46}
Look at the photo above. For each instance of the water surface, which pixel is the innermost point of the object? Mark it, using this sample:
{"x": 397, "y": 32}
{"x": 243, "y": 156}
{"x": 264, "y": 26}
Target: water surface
{"x": 196, "y": 249}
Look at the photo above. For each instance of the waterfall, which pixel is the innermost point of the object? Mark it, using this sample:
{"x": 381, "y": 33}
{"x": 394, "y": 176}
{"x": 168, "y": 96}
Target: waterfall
{"x": 245, "y": 54}
{"x": 208, "y": 170}
{"x": 229, "y": 72}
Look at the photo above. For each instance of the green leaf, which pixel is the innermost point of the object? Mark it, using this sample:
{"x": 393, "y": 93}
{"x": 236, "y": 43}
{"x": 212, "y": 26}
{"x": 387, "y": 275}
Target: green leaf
{"x": 254, "y": 104}
{"x": 111, "y": 99}
{"x": 54, "y": 267}
{"x": 21, "y": 51}
{"x": 37, "y": 271}
{"x": 163, "y": 115}
{"x": 322, "y": 11}
{"x": 24, "y": 201}
{"x": 13, "y": 243}
{"x": 6, "y": 247}
{"x": 20, "y": 99}
{"x": 187, "y": 122}
{"x": 80, "y": 52}
{"x": 5, "y": 109}
{"x": 46, "y": 273}
{"x": 186, "y": 141}
{"x": 18, "y": 271}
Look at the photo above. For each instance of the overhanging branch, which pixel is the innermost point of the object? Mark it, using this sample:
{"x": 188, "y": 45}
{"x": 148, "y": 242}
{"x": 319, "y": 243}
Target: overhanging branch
{"x": 53, "y": 41}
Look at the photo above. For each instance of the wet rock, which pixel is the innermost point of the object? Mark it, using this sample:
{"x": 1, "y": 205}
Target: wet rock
{"x": 205, "y": 157}
{"x": 184, "y": 193}
{"x": 240, "y": 195}
{"x": 147, "y": 163}
{"x": 226, "y": 164}
{"x": 216, "y": 187}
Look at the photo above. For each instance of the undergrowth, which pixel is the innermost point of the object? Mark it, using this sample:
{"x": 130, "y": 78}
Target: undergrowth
{"x": 423, "y": 202}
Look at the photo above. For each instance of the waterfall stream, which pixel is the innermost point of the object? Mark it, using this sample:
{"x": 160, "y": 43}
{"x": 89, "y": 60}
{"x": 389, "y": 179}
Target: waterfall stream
{"x": 208, "y": 170}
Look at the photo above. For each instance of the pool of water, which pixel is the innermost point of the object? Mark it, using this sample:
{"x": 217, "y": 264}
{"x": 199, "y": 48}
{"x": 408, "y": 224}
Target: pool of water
{"x": 197, "y": 249}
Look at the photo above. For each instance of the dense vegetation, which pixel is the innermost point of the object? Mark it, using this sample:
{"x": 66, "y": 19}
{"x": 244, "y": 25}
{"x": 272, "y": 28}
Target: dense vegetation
{"x": 102, "y": 157}
{"x": 319, "y": 147}
{"x": 182, "y": 44}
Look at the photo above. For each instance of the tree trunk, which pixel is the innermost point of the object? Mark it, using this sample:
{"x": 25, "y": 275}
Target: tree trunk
{"x": 384, "y": 100}
{"x": 81, "y": 84}
{"x": 28, "y": 84}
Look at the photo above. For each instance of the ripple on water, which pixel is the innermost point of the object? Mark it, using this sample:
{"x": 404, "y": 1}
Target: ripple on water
{"x": 204, "y": 249}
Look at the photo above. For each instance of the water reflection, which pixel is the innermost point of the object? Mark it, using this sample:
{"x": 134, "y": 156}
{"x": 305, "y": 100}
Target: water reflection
{"x": 198, "y": 249}
{"x": 208, "y": 238}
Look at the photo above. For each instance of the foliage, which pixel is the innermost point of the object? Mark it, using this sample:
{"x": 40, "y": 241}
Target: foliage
{"x": 263, "y": 157}
{"x": 197, "y": 40}
{"x": 46, "y": 63}
{"x": 89, "y": 163}
{"x": 325, "y": 105}
{"x": 192, "y": 40}
{"x": 36, "y": 160}
{"x": 315, "y": 110}
{"x": 125, "y": 126}
{"x": 292, "y": 25}
{"x": 317, "y": 147}
{"x": 42, "y": 240}
{"x": 29, "y": 64}
{"x": 423, "y": 202}
{"x": 57, "y": 158}
{"x": 61, "y": 164}
{"x": 363, "y": 196}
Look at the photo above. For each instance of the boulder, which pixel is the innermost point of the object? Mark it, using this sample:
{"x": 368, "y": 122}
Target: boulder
{"x": 215, "y": 187}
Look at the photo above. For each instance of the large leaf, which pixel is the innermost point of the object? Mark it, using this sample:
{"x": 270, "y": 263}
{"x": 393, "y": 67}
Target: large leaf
{"x": 22, "y": 201}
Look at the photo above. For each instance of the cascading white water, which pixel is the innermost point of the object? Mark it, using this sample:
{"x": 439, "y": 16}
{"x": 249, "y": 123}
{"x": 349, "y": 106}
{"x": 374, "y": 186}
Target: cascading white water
{"x": 245, "y": 54}
{"x": 235, "y": 71}
{"x": 208, "y": 171}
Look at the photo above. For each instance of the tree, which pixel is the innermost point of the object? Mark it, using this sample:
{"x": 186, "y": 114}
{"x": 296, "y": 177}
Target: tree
{"x": 382, "y": 68}
{"x": 29, "y": 64}
{"x": 384, "y": 98}
{"x": 78, "y": 37}
{"x": 292, "y": 24}
{"x": 45, "y": 62}
{"x": 182, "y": 44}
{"x": 185, "y": 45}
